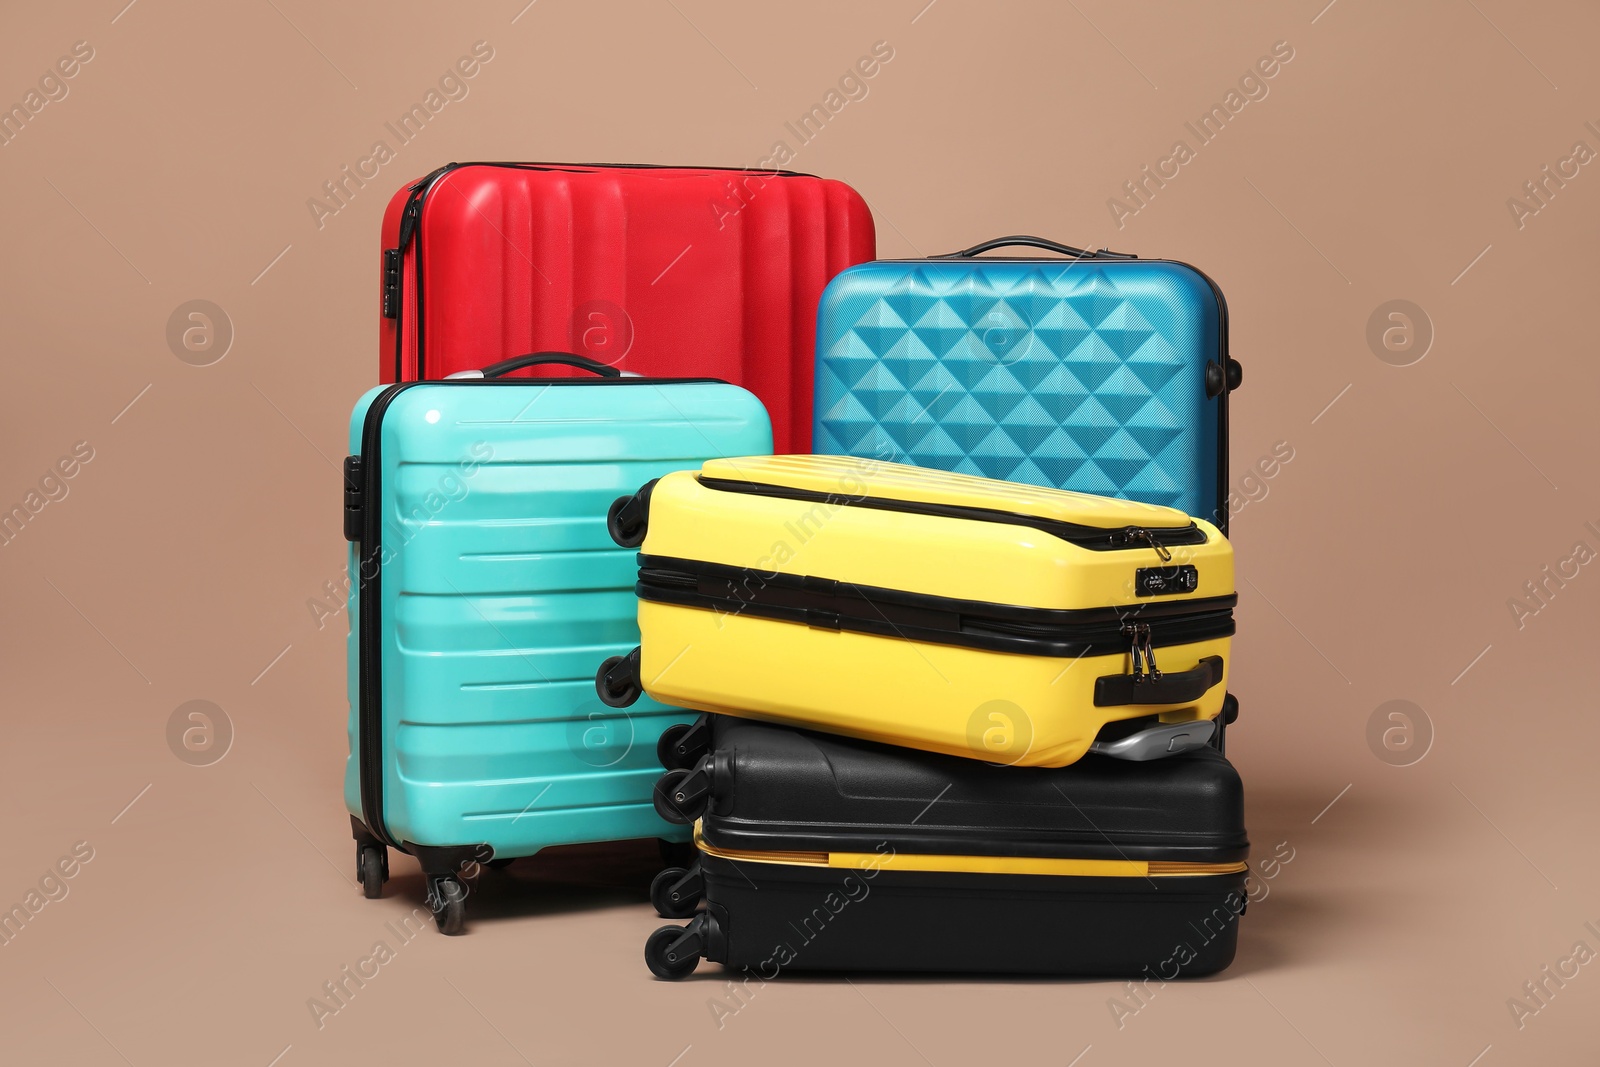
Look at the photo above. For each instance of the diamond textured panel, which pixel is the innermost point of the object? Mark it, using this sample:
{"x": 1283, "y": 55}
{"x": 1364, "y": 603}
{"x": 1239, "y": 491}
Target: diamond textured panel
{"x": 1076, "y": 375}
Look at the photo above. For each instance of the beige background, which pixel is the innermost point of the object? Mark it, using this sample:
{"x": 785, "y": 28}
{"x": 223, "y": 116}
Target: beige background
{"x": 1377, "y": 567}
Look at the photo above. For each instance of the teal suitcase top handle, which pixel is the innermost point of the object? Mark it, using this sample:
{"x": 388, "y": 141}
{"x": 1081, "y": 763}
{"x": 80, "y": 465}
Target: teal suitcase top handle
{"x": 535, "y": 359}
{"x": 1029, "y": 241}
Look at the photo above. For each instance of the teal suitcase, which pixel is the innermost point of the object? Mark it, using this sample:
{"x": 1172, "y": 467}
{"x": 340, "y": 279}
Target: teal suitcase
{"x": 486, "y": 588}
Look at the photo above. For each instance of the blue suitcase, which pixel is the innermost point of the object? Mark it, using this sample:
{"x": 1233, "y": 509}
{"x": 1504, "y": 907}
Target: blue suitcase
{"x": 487, "y": 587}
{"x": 1100, "y": 373}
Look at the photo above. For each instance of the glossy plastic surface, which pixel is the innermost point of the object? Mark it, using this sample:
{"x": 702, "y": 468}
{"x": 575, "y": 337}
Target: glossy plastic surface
{"x": 1031, "y": 710}
{"x": 994, "y": 562}
{"x": 779, "y": 789}
{"x": 788, "y": 795}
{"x": 659, "y": 270}
{"x": 502, "y": 593}
{"x": 1084, "y": 375}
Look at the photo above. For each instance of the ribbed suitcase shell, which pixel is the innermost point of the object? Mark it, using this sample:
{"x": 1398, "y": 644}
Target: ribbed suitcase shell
{"x": 826, "y": 853}
{"x": 658, "y": 270}
{"x": 925, "y": 608}
{"x": 1086, "y": 374}
{"x": 499, "y": 590}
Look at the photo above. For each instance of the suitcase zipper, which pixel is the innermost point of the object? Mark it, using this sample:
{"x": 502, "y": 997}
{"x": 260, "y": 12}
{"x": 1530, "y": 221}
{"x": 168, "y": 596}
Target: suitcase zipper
{"x": 1098, "y": 538}
{"x": 1134, "y": 534}
{"x": 369, "y": 652}
{"x": 827, "y": 604}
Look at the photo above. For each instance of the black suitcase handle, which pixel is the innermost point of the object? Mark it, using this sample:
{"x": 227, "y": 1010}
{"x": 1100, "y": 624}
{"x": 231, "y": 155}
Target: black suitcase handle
{"x": 1030, "y": 241}
{"x": 1116, "y": 690}
{"x": 535, "y": 359}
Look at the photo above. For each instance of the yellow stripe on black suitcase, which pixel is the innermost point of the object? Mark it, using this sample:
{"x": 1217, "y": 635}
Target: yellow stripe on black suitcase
{"x": 938, "y": 611}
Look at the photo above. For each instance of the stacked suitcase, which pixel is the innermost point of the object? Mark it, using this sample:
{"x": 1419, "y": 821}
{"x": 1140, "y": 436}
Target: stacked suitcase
{"x": 961, "y": 677}
{"x": 554, "y": 335}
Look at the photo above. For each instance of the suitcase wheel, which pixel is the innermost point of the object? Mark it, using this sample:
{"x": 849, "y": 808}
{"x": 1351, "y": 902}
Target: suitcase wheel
{"x": 675, "y": 892}
{"x": 617, "y": 680}
{"x": 681, "y": 745}
{"x": 628, "y": 516}
{"x": 372, "y": 869}
{"x": 448, "y": 899}
{"x": 673, "y": 952}
{"x": 681, "y": 796}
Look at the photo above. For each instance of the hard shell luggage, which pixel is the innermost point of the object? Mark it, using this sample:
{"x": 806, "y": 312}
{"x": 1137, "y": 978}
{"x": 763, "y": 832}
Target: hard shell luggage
{"x": 485, "y": 588}
{"x": 657, "y": 270}
{"x": 940, "y": 611}
{"x": 828, "y": 853}
{"x": 1100, "y": 373}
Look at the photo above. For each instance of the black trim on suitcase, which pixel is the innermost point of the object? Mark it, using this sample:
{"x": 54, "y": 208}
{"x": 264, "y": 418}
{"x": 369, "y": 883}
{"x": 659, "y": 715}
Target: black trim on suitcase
{"x": 1097, "y": 538}
{"x": 369, "y": 573}
{"x": 833, "y": 605}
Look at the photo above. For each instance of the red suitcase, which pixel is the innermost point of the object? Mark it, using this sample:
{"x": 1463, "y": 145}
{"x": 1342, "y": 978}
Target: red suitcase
{"x": 664, "y": 271}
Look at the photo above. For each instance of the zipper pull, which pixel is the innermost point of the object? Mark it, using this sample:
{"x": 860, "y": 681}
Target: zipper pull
{"x": 1136, "y": 650}
{"x": 1144, "y": 656}
{"x": 1150, "y": 655}
{"x": 413, "y": 212}
{"x": 1138, "y": 533}
{"x": 408, "y": 220}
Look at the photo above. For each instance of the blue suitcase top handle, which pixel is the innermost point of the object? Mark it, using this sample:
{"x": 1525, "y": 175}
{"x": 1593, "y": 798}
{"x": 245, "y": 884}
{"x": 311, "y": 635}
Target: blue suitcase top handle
{"x": 1025, "y": 240}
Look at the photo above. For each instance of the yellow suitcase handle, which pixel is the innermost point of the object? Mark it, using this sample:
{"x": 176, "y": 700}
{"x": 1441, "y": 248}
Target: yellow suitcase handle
{"x": 1116, "y": 690}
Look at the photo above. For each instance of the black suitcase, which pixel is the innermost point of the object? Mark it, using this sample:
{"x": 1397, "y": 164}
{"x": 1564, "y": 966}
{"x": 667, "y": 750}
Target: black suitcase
{"x": 820, "y": 852}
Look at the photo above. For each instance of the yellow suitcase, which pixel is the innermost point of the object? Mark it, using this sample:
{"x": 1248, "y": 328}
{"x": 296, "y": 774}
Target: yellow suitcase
{"x": 945, "y": 612}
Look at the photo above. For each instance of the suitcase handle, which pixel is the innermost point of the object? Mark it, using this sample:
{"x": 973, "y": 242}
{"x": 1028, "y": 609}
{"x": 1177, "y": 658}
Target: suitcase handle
{"x": 1029, "y": 241}
{"x": 535, "y": 359}
{"x": 1116, "y": 690}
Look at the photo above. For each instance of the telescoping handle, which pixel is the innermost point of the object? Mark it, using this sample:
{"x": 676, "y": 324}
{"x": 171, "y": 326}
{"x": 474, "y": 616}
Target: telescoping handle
{"x": 1029, "y": 241}
{"x": 536, "y": 359}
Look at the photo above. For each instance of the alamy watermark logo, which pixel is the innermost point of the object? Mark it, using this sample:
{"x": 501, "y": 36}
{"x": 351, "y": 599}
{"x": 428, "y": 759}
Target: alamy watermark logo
{"x": 51, "y": 88}
{"x": 52, "y": 488}
{"x": 1399, "y": 732}
{"x": 602, "y": 330}
{"x": 1539, "y": 191}
{"x": 1255, "y": 486}
{"x": 852, "y": 87}
{"x": 199, "y": 733}
{"x": 51, "y": 888}
{"x": 1253, "y": 86}
{"x": 199, "y": 332}
{"x": 1399, "y": 332}
{"x": 853, "y": 888}
{"x": 1539, "y": 991}
{"x": 452, "y": 87}
{"x": 600, "y": 736}
{"x": 1000, "y": 731}
{"x": 1539, "y": 591}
